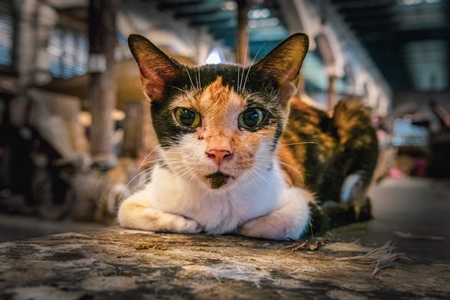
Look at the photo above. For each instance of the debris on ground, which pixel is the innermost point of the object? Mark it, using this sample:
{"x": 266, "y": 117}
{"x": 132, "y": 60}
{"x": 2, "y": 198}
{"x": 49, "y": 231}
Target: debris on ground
{"x": 306, "y": 245}
{"x": 409, "y": 235}
{"x": 382, "y": 256}
{"x": 148, "y": 247}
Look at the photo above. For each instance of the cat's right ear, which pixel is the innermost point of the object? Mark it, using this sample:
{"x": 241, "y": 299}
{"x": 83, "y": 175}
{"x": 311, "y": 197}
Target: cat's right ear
{"x": 283, "y": 64}
{"x": 157, "y": 69}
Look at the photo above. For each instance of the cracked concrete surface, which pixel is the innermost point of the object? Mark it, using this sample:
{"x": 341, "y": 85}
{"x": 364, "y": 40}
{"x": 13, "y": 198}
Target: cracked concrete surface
{"x": 116, "y": 263}
{"x": 112, "y": 263}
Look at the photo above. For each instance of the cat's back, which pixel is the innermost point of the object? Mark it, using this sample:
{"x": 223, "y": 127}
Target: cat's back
{"x": 313, "y": 139}
{"x": 306, "y": 144}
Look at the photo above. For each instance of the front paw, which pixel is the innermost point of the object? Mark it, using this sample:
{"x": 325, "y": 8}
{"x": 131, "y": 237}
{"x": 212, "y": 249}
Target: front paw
{"x": 287, "y": 222}
{"x": 353, "y": 190}
{"x": 265, "y": 228}
{"x": 136, "y": 216}
{"x": 169, "y": 222}
{"x": 185, "y": 225}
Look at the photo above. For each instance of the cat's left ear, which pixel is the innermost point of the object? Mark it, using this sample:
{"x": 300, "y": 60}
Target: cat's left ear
{"x": 283, "y": 64}
{"x": 157, "y": 69}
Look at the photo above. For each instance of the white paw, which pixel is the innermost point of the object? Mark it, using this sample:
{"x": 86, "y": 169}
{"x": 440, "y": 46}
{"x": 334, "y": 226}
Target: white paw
{"x": 135, "y": 216}
{"x": 353, "y": 189}
{"x": 259, "y": 228}
{"x": 287, "y": 222}
{"x": 185, "y": 225}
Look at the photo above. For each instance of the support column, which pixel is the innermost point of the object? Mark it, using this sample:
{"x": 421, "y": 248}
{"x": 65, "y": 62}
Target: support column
{"x": 132, "y": 125}
{"x": 242, "y": 34}
{"x": 33, "y": 32}
{"x": 331, "y": 92}
{"x": 102, "y": 79}
{"x": 27, "y": 39}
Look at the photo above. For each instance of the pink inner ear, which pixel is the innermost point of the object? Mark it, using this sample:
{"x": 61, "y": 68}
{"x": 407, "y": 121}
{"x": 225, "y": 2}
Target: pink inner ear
{"x": 287, "y": 90}
{"x": 153, "y": 87}
{"x": 158, "y": 90}
{"x": 157, "y": 69}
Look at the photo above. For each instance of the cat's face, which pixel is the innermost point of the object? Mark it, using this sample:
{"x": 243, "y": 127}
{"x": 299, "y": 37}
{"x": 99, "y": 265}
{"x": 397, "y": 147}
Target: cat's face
{"x": 219, "y": 124}
{"x": 214, "y": 132}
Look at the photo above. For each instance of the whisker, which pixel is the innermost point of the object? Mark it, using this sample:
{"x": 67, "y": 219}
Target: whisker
{"x": 143, "y": 172}
{"x": 251, "y": 95}
{"x": 181, "y": 171}
{"x": 180, "y": 89}
{"x": 199, "y": 83}
{"x": 238, "y": 83}
{"x": 243, "y": 65}
{"x": 270, "y": 161}
{"x": 189, "y": 176}
{"x": 301, "y": 143}
{"x": 145, "y": 161}
{"x": 233, "y": 196}
{"x": 293, "y": 168}
{"x": 261, "y": 163}
{"x": 264, "y": 166}
{"x": 257, "y": 185}
{"x": 137, "y": 176}
{"x": 149, "y": 164}
{"x": 184, "y": 171}
{"x": 186, "y": 93}
{"x": 189, "y": 75}
{"x": 253, "y": 60}
{"x": 192, "y": 177}
{"x": 239, "y": 67}
{"x": 134, "y": 188}
{"x": 147, "y": 156}
{"x": 262, "y": 177}
{"x": 205, "y": 193}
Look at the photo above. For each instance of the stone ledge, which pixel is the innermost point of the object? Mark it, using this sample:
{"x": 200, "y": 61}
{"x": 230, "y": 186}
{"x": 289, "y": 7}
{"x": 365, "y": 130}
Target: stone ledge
{"x": 124, "y": 264}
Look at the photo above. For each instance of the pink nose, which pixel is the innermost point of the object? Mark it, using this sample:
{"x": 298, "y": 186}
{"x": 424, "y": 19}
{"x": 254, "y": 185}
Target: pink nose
{"x": 219, "y": 155}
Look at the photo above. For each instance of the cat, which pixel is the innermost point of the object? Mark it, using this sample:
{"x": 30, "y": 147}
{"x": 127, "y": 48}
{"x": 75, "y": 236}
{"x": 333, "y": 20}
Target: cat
{"x": 236, "y": 156}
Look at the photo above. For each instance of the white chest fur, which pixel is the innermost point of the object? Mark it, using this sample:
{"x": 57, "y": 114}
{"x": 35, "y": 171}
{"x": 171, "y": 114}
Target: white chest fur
{"x": 261, "y": 206}
{"x": 218, "y": 211}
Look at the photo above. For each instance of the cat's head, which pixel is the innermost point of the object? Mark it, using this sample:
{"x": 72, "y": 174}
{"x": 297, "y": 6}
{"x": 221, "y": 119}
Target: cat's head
{"x": 219, "y": 124}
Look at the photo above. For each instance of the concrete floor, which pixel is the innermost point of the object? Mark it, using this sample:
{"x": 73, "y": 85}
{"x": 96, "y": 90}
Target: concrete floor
{"x": 416, "y": 206}
{"x": 16, "y": 227}
{"x": 113, "y": 263}
{"x": 420, "y": 207}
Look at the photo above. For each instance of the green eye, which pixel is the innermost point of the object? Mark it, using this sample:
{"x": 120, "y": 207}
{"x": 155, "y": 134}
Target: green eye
{"x": 187, "y": 117}
{"x": 251, "y": 118}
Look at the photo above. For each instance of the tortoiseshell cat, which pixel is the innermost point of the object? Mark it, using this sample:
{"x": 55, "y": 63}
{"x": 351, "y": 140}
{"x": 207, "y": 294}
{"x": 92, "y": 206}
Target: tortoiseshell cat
{"x": 235, "y": 156}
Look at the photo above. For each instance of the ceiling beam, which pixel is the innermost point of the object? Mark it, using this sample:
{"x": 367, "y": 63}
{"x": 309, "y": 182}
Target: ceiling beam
{"x": 194, "y": 6}
{"x": 355, "y": 4}
{"x": 206, "y": 16}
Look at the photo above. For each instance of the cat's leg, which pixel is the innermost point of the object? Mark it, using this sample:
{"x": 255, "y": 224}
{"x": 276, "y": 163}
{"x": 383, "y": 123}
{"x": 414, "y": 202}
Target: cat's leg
{"x": 136, "y": 212}
{"x": 352, "y": 202}
{"x": 354, "y": 194}
{"x": 353, "y": 188}
{"x": 287, "y": 222}
{"x": 354, "y": 159}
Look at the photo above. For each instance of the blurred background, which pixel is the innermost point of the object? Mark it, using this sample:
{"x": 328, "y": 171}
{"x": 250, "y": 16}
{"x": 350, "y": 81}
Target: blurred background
{"x": 74, "y": 125}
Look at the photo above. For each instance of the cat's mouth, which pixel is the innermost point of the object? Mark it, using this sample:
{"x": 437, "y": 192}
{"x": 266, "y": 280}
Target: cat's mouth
{"x": 218, "y": 179}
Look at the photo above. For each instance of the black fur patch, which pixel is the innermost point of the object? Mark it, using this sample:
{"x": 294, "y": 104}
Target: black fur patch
{"x": 194, "y": 80}
{"x": 217, "y": 179}
{"x": 277, "y": 136}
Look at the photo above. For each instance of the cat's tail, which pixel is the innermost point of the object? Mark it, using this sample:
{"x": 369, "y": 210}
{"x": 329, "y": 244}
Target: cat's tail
{"x": 351, "y": 117}
{"x": 359, "y": 143}
{"x": 357, "y": 136}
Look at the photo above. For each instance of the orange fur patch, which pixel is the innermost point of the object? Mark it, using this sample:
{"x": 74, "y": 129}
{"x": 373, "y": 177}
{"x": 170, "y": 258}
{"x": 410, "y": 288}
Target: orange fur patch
{"x": 220, "y": 107}
{"x": 293, "y": 149}
{"x": 291, "y": 166}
